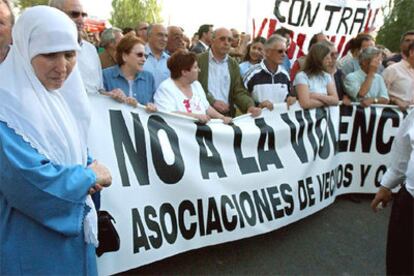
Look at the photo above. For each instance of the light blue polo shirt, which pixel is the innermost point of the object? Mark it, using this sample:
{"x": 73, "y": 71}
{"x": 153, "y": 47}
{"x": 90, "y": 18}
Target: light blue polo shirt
{"x": 157, "y": 67}
{"x": 354, "y": 80}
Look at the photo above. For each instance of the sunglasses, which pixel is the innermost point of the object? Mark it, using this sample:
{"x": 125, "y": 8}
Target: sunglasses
{"x": 76, "y": 14}
{"x": 279, "y": 51}
{"x": 140, "y": 54}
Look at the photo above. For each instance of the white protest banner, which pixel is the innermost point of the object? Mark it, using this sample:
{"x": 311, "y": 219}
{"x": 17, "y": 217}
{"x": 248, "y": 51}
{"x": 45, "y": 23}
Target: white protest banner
{"x": 339, "y": 19}
{"x": 179, "y": 185}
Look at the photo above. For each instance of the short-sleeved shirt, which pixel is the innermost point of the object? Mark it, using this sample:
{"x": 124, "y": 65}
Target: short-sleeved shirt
{"x": 142, "y": 88}
{"x": 399, "y": 79}
{"x": 316, "y": 83}
{"x": 169, "y": 98}
{"x": 157, "y": 67}
{"x": 353, "y": 82}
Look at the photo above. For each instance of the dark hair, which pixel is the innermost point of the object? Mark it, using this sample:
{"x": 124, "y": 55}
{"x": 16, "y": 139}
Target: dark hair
{"x": 356, "y": 42}
{"x": 314, "y": 60}
{"x": 283, "y": 32}
{"x": 410, "y": 32}
{"x": 127, "y": 30}
{"x": 204, "y": 29}
{"x": 179, "y": 61}
{"x": 125, "y": 46}
{"x": 258, "y": 39}
{"x": 314, "y": 40}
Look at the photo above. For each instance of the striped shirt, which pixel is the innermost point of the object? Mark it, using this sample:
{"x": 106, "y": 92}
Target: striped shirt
{"x": 265, "y": 85}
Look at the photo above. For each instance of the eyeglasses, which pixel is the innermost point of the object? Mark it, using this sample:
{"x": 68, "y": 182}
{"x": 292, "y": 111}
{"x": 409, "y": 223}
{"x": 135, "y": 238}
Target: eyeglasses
{"x": 76, "y": 14}
{"x": 140, "y": 54}
{"x": 279, "y": 51}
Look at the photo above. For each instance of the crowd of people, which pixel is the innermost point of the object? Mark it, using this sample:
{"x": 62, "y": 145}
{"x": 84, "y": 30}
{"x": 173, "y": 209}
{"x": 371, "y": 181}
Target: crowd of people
{"x": 220, "y": 73}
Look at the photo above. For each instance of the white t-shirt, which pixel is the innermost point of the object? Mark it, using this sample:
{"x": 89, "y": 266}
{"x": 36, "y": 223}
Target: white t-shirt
{"x": 169, "y": 98}
{"x": 90, "y": 68}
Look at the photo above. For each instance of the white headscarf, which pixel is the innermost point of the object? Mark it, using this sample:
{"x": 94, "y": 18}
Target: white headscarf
{"x": 53, "y": 122}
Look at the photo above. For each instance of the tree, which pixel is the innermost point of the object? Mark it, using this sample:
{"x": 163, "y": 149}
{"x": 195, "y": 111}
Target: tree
{"x": 397, "y": 22}
{"x": 22, "y": 4}
{"x": 127, "y": 13}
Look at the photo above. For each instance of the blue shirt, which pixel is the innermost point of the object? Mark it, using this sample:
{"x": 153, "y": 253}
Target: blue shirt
{"x": 244, "y": 67}
{"x": 286, "y": 64}
{"x": 353, "y": 82}
{"x": 157, "y": 67}
{"x": 143, "y": 86}
{"x": 42, "y": 206}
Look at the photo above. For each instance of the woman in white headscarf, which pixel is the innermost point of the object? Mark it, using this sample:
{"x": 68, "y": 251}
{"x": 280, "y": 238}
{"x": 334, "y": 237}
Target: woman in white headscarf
{"x": 48, "y": 223}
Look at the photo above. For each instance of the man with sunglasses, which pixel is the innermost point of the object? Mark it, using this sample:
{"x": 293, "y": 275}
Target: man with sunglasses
{"x": 268, "y": 82}
{"x": 6, "y": 24}
{"x": 88, "y": 59}
{"x": 220, "y": 77}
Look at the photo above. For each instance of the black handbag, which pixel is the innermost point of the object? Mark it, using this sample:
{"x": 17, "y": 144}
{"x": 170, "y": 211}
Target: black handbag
{"x": 107, "y": 235}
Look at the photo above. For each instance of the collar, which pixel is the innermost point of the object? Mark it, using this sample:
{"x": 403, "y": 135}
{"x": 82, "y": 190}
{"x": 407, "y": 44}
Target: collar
{"x": 205, "y": 45}
{"x": 117, "y": 72}
{"x": 264, "y": 67}
{"x": 212, "y": 58}
{"x": 148, "y": 52}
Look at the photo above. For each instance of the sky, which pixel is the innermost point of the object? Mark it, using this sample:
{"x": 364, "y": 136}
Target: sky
{"x": 189, "y": 14}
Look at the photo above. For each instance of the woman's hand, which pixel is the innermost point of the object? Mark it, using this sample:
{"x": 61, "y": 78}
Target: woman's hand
{"x": 103, "y": 176}
{"x": 202, "y": 118}
{"x": 131, "y": 101}
{"x": 95, "y": 189}
{"x": 150, "y": 108}
{"x": 117, "y": 94}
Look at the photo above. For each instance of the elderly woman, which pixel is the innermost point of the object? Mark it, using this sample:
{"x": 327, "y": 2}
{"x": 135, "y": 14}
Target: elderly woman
{"x": 314, "y": 86}
{"x": 134, "y": 84}
{"x": 182, "y": 93}
{"x": 48, "y": 223}
{"x": 365, "y": 85}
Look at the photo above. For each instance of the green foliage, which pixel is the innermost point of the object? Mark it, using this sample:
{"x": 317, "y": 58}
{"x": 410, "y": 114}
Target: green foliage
{"x": 127, "y": 13}
{"x": 22, "y": 4}
{"x": 396, "y": 23}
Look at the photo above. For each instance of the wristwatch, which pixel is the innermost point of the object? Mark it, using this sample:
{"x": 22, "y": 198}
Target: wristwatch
{"x": 375, "y": 100}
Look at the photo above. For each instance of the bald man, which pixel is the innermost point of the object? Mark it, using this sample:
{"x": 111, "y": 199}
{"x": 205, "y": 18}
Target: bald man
{"x": 220, "y": 77}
